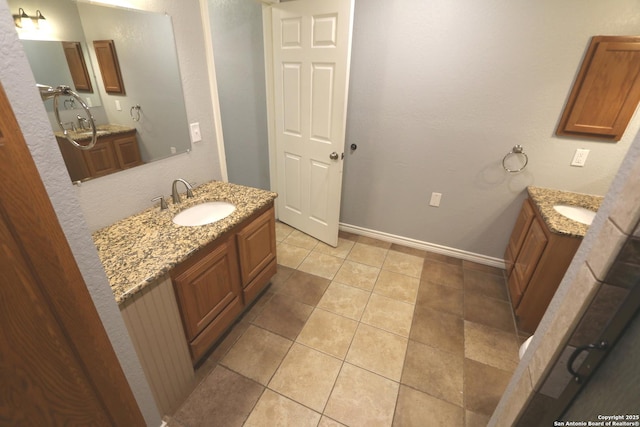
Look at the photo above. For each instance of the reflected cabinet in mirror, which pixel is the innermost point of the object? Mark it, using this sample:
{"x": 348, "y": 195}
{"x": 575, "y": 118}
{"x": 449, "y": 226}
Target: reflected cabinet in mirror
{"x": 148, "y": 121}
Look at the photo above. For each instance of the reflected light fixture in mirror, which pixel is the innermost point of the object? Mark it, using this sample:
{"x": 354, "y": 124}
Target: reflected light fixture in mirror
{"x": 28, "y": 23}
{"x": 22, "y": 20}
{"x": 41, "y": 21}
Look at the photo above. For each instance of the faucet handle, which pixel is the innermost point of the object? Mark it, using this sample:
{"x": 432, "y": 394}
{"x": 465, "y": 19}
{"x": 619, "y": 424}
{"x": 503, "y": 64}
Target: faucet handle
{"x": 163, "y": 202}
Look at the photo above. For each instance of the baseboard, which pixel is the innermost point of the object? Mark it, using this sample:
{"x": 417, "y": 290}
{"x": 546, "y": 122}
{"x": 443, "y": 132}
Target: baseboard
{"x": 417, "y": 244}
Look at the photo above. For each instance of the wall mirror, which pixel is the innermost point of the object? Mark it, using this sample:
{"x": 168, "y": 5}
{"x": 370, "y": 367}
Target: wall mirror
{"x": 147, "y": 58}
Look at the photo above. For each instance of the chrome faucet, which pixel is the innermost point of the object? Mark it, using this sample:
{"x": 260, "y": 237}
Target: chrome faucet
{"x": 174, "y": 190}
{"x": 82, "y": 122}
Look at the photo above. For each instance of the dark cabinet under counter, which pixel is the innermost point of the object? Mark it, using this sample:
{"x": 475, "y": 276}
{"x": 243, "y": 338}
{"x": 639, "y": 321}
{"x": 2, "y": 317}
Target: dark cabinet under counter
{"x": 113, "y": 152}
{"x": 219, "y": 281}
{"x": 537, "y": 260}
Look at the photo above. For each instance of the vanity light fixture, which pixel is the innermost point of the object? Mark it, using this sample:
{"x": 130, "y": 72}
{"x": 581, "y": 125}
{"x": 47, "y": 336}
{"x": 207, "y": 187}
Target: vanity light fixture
{"x": 22, "y": 20}
{"x": 26, "y": 22}
{"x": 41, "y": 21}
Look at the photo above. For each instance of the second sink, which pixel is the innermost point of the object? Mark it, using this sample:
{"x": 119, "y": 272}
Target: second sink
{"x": 576, "y": 213}
{"x": 204, "y": 213}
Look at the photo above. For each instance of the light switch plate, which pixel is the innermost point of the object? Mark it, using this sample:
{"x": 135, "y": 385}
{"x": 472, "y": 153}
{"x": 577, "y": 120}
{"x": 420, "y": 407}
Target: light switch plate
{"x": 435, "y": 199}
{"x": 195, "y": 132}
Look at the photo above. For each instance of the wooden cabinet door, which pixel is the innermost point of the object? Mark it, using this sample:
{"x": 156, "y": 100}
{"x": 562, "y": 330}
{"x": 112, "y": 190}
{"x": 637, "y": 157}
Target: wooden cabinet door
{"x": 257, "y": 246}
{"x": 109, "y": 66}
{"x": 74, "y": 160}
{"x": 207, "y": 286}
{"x": 127, "y": 151}
{"x": 607, "y": 89}
{"x": 77, "y": 66}
{"x": 101, "y": 159}
{"x": 527, "y": 261}
{"x": 257, "y": 250}
{"x": 518, "y": 234}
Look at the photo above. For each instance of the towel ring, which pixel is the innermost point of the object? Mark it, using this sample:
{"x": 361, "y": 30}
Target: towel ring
{"x": 134, "y": 112}
{"x": 515, "y": 150}
{"x": 48, "y": 92}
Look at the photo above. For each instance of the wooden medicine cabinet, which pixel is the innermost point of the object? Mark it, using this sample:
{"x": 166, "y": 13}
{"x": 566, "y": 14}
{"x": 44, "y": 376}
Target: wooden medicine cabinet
{"x": 606, "y": 91}
{"x": 77, "y": 66}
{"x": 109, "y": 66}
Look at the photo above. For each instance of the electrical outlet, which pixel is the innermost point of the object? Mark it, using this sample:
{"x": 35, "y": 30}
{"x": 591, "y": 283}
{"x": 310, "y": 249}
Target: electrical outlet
{"x": 580, "y": 158}
{"x": 195, "y": 132}
{"x": 118, "y": 106}
{"x": 435, "y": 199}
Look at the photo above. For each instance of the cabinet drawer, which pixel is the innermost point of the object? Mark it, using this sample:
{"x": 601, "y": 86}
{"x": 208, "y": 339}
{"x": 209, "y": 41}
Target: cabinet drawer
{"x": 257, "y": 246}
{"x": 199, "y": 346}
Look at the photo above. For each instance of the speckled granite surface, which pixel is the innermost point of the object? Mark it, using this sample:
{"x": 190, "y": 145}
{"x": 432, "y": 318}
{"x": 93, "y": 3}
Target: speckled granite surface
{"x": 545, "y": 198}
{"x": 104, "y": 130}
{"x": 137, "y": 250}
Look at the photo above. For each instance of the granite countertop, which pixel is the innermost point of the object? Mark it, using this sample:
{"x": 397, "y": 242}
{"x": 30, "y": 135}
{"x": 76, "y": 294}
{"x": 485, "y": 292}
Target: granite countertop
{"x": 139, "y": 249}
{"x": 545, "y": 198}
{"x": 105, "y": 130}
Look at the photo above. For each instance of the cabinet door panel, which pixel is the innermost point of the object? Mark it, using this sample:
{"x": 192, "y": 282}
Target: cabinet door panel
{"x": 612, "y": 81}
{"x": 206, "y": 288}
{"x": 101, "y": 159}
{"x": 109, "y": 66}
{"x": 127, "y": 151}
{"x": 607, "y": 90}
{"x": 518, "y": 234}
{"x": 77, "y": 66}
{"x": 257, "y": 246}
{"x": 531, "y": 251}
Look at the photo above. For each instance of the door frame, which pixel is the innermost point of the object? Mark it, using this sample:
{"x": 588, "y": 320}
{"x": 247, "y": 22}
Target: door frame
{"x": 213, "y": 88}
{"x": 267, "y": 31}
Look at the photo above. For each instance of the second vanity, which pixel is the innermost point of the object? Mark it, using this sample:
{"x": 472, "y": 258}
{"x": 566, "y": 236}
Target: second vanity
{"x": 116, "y": 149}
{"x": 542, "y": 245}
{"x": 180, "y": 288}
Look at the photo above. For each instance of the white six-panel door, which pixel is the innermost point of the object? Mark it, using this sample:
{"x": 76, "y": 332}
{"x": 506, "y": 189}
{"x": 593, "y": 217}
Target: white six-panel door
{"x": 311, "y": 53}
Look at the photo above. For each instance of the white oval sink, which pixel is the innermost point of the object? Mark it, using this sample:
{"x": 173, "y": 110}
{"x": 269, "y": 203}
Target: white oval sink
{"x": 204, "y": 213}
{"x": 576, "y": 213}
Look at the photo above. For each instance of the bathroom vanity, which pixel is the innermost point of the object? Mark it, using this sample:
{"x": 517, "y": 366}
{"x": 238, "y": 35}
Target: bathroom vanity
{"x": 217, "y": 282}
{"x": 116, "y": 149}
{"x": 179, "y": 288}
{"x": 542, "y": 245}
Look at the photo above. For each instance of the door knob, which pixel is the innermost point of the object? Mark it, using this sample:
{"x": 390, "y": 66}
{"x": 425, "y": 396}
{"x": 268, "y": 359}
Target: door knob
{"x": 333, "y": 156}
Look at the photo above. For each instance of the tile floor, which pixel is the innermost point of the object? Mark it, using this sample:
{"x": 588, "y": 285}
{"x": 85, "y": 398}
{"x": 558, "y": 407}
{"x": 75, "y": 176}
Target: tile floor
{"x": 365, "y": 334}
